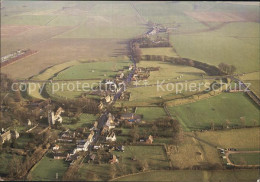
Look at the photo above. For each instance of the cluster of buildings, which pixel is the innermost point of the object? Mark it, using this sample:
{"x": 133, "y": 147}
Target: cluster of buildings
{"x": 7, "y": 135}
{"x": 156, "y": 29}
{"x": 15, "y": 56}
{"x": 142, "y": 73}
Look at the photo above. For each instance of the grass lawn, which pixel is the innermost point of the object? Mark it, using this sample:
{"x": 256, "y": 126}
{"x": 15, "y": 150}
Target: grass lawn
{"x": 236, "y": 138}
{"x": 168, "y": 51}
{"x": 151, "y": 113}
{"x": 47, "y": 168}
{"x": 245, "y": 159}
{"x": 218, "y": 109}
{"x": 86, "y": 120}
{"x": 194, "y": 175}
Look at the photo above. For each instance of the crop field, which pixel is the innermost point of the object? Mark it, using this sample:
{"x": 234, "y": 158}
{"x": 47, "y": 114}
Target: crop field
{"x": 47, "y": 168}
{"x": 236, "y": 138}
{"x": 173, "y": 71}
{"x": 85, "y": 120}
{"x": 201, "y": 114}
{"x": 222, "y": 45}
{"x": 151, "y": 113}
{"x": 245, "y": 159}
{"x": 197, "y": 175}
{"x": 159, "y": 51}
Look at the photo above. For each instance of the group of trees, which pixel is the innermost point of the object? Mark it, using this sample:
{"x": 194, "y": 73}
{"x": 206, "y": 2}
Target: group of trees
{"x": 79, "y": 105}
{"x": 135, "y": 51}
{"x": 229, "y": 69}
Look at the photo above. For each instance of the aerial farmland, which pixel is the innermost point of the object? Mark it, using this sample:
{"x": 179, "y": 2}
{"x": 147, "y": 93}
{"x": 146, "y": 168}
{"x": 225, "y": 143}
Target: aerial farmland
{"x": 129, "y": 91}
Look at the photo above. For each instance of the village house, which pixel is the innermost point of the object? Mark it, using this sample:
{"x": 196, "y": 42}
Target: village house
{"x": 113, "y": 160}
{"x": 149, "y": 140}
{"x": 56, "y": 147}
{"x": 83, "y": 145}
{"x": 7, "y": 135}
{"x": 54, "y": 118}
{"x": 67, "y": 136}
{"x": 29, "y": 123}
{"x": 111, "y": 137}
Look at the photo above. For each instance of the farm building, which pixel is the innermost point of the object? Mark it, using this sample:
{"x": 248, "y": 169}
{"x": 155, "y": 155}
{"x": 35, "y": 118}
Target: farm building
{"x": 131, "y": 117}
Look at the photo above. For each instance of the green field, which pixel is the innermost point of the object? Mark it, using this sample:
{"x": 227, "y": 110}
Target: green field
{"x": 253, "y": 79}
{"x": 28, "y": 20}
{"x": 197, "y": 175}
{"x": 223, "y": 45}
{"x": 92, "y": 70}
{"x": 218, "y": 109}
{"x": 151, "y": 113}
{"x": 169, "y": 72}
{"x": 168, "y": 51}
{"x": 85, "y": 120}
{"x": 236, "y": 138}
{"x": 143, "y": 96}
{"x": 245, "y": 159}
{"x": 154, "y": 156}
{"x": 47, "y": 168}
{"x": 71, "y": 89}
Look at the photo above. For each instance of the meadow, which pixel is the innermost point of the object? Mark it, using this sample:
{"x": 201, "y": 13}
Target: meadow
{"x": 85, "y": 120}
{"x": 47, "y": 168}
{"x": 253, "y": 79}
{"x": 193, "y": 175}
{"x": 92, "y": 70}
{"x": 173, "y": 71}
{"x": 235, "y": 138}
{"x": 150, "y": 95}
{"x": 245, "y": 159}
{"x": 201, "y": 114}
{"x": 168, "y": 51}
{"x": 154, "y": 156}
{"x": 226, "y": 44}
{"x": 151, "y": 113}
